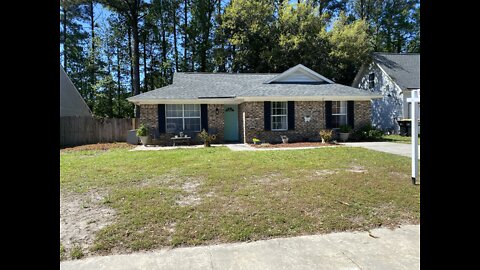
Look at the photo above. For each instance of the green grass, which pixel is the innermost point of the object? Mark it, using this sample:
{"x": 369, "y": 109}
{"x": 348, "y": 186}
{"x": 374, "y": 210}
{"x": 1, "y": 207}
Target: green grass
{"x": 241, "y": 196}
{"x": 399, "y": 139}
{"x": 76, "y": 253}
{"x": 62, "y": 252}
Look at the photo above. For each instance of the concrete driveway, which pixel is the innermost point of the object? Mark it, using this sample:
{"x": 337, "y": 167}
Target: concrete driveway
{"x": 402, "y": 149}
{"x": 380, "y": 249}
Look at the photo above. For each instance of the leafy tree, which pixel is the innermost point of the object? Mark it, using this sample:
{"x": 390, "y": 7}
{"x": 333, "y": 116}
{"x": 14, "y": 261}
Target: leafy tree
{"x": 249, "y": 26}
{"x": 302, "y": 38}
{"x": 349, "y": 49}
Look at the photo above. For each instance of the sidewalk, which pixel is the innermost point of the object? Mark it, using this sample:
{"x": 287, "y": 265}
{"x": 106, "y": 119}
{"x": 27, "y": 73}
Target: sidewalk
{"x": 382, "y": 249}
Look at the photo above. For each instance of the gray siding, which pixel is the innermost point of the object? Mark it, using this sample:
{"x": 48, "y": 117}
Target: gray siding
{"x": 391, "y": 106}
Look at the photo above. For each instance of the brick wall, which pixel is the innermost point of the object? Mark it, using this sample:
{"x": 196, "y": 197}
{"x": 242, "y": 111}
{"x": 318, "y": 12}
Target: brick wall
{"x": 216, "y": 121}
{"x": 362, "y": 113}
{"x": 304, "y": 131}
{"x": 254, "y": 122}
{"x": 149, "y": 116}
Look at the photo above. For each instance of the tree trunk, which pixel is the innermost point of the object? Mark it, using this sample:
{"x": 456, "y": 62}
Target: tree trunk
{"x": 185, "y": 35}
{"x": 222, "y": 67}
{"x": 175, "y": 37}
{"x": 130, "y": 57}
{"x": 206, "y": 33}
{"x": 145, "y": 86}
{"x": 164, "y": 41}
{"x": 109, "y": 86}
{"x": 152, "y": 62}
{"x": 193, "y": 56}
{"x": 92, "y": 59}
{"x": 362, "y": 9}
{"x": 118, "y": 83}
{"x": 64, "y": 38}
{"x": 136, "y": 67}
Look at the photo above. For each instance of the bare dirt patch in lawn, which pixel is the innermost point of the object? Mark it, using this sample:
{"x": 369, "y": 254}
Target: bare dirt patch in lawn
{"x": 325, "y": 172}
{"x": 81, "y": 216}
{"x": 191, "y": 198}
{"x": 295, "y": 144}
{"x": 357, "y": 169}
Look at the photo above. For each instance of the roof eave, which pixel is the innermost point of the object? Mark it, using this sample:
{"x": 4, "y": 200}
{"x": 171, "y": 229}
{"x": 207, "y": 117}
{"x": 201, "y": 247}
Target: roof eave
{"x": 239, "y": 100}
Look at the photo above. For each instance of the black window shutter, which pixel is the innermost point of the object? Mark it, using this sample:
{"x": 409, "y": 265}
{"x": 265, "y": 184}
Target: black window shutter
{"x": 161, "y": 118}
{"x": 328, "y": 114}
{"x": 204, "y": 116}
{"x": 350, "y": 113}
{"x": 267, "y": 108}
{"x": 291, "y": 115}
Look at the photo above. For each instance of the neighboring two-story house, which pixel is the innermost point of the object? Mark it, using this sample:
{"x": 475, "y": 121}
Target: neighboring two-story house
{"x": 394, "y": 76}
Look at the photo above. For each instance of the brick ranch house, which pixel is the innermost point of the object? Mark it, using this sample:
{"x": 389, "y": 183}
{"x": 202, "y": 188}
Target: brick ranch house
{"x": 297, "y": 103}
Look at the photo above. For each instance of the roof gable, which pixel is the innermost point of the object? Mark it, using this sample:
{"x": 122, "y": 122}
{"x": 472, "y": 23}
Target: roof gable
{"x": 71, "y": 102}
{"x": 299, "y": 74}
{"x": 298, "y": 83}
{"x": 403, "y": 68}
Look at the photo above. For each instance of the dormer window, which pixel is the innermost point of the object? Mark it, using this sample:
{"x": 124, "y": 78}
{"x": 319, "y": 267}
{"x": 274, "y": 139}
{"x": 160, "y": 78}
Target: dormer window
{"x": 371, "y": 80}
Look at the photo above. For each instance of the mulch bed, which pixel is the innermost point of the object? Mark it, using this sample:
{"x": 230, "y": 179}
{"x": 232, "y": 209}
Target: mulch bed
{"x": 97, "y": 147}
{"x": 297, "y": 144}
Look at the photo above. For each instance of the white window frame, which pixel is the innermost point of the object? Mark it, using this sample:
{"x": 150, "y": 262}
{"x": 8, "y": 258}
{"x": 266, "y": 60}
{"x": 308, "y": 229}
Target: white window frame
{"x": 272, "y": 115}
{"x": 183, "y": 117}
{"x": 340, "y": 114}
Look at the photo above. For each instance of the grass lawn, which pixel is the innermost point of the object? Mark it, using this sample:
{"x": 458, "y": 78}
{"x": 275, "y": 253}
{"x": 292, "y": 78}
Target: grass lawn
{"x": 212, "y": 195}
{"x": 399, "y": 139}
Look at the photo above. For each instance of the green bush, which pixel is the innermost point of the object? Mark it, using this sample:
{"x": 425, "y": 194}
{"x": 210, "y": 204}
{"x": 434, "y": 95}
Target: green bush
{"x": 366, "y": 133}
{"x": 326, "y": 135}
{"x": 345, "y": 129}
{"x": 142, "y": 130}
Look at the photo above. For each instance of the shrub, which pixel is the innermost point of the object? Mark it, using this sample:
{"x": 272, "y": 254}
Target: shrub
{"x": 326, "y": 135}
{"x": 366, "y": 133}
{"x": 345, "y": 128}
{"x": 206, "y": 138}
{"x": 142, "y": 130}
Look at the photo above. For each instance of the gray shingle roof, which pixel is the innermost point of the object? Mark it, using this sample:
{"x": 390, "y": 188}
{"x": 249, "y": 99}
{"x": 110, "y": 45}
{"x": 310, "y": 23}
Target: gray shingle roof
{"x": 215, "y": 85}
{"x": 71, "y": 102}
{"x": 403, "y": 68}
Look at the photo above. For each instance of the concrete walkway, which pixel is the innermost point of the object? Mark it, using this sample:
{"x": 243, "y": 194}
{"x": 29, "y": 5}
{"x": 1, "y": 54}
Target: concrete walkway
{"x": 388, "y": 147}
{"x": 233, "y": 147}
{"x": 246, "y": 147}
{"x": 402, "y": 149}
{"x": 382, "y": 249}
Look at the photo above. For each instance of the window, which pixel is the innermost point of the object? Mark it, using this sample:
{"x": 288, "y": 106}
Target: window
{"x": 339, "y": 113}
{"x": 182, "y": 117}
{"x": 279, "y": 116}
{"x": 371, "y": 80}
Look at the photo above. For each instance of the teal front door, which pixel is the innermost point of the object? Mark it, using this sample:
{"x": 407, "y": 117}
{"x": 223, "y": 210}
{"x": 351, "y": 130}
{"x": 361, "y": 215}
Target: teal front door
{"x": 230, "y": 132}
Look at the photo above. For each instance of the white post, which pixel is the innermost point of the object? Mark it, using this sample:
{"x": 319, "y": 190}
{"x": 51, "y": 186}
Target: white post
{"x": 415, "y": 98}
{"x": 244, "y": 130}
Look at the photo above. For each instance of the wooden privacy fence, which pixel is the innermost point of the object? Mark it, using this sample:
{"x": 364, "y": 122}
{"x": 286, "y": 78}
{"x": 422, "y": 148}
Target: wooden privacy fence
{"x": 78, "y": 130}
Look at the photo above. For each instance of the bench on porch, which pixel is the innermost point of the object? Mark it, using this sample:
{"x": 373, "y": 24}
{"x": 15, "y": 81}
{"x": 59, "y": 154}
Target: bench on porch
{"x": 178, "y": 139}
